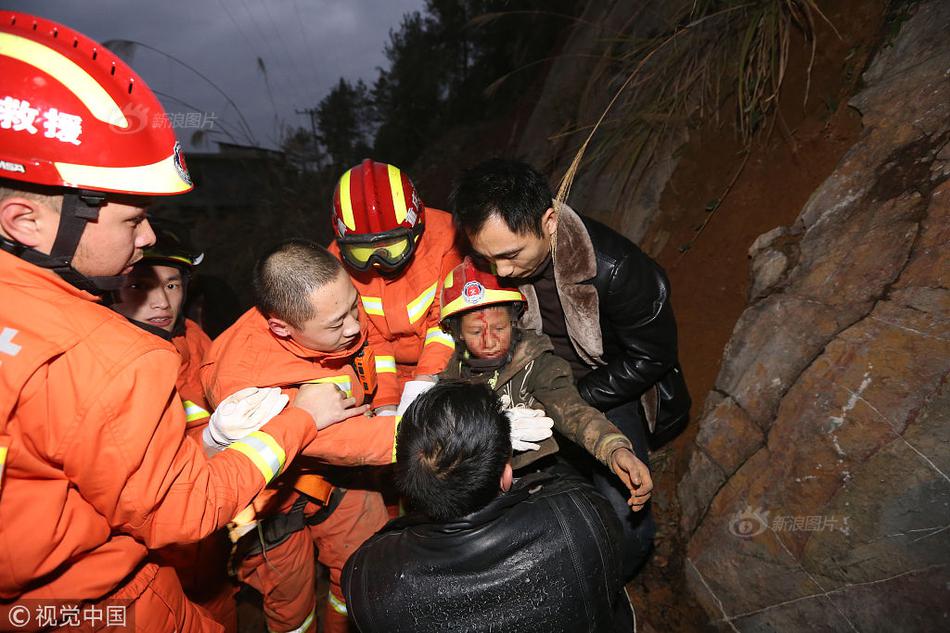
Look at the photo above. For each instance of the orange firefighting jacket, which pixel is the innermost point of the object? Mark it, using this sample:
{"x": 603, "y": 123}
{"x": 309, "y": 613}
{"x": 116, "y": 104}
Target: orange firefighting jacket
{"x": 98, "y": 468}
{"x": 404, "y": 310}
{"x": 192, "y": 346}
{"x": 248, "y": 354}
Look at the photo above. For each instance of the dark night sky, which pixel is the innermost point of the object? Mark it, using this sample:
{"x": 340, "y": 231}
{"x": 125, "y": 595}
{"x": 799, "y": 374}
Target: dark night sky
{"x": 306, "y": 45}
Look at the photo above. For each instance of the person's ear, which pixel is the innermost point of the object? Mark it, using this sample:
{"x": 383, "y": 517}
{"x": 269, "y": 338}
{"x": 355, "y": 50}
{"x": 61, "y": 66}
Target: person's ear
{"x": 549, "y": 222}
{"x": 29, "y": 222}
{"x": 507, "y": 476}
{"x": 279, "y": 327}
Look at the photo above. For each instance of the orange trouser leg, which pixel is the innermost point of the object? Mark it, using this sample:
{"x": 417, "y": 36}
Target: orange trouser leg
{"x": 162, "y": 606}
{"x": 202, "y": 568}
{"x": 360, "y": 515}
{"x": 286, "y": 580}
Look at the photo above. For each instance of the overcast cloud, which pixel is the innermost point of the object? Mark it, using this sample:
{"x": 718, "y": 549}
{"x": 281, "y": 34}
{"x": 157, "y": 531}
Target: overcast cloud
{"x": 306, "y": 45}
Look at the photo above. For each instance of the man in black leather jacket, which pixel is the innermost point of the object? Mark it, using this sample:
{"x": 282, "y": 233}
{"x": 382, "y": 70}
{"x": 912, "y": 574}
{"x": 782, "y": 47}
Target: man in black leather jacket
{"x": 482, "y": 552}
{"x": 603, "y": 303}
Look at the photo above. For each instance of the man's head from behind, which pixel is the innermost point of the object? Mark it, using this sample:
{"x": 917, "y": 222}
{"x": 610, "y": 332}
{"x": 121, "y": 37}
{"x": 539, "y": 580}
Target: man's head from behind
{"x": 504, "y": 207}
{"x": 305, "y": 295}
{"x": 453, "y": 450}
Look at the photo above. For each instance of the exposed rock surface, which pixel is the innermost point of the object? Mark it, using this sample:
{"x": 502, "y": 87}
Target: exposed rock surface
{"x": 818, "y": 495}
{"x": 580, "y": 84}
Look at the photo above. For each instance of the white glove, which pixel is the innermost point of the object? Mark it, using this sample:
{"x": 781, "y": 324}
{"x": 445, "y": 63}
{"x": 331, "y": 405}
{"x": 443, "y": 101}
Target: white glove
{"x": 528, "y": 426}
{"x": 240, "y": 414}
{"x": 410, "y": 391}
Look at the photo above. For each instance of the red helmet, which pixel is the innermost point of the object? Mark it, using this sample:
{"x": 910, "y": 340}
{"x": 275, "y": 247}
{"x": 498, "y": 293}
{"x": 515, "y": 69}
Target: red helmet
{"x": 467, "y": 287}
{"x": 377, "y": 216}
{"x": 74, "y": 115}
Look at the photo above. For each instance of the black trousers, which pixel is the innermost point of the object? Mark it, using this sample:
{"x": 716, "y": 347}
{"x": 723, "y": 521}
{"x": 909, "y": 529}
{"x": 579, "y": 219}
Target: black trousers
{"x": 639, "y": 528}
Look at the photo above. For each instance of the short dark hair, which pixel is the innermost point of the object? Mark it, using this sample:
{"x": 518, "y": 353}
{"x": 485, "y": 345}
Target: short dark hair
{"x": 287, "y": 274}
{"x": 451, "y": 450}
{"x": 512, "y": 189}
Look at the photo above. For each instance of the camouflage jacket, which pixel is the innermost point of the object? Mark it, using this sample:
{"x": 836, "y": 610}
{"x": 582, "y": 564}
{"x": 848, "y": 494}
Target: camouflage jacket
{"x": 539, "y": 379}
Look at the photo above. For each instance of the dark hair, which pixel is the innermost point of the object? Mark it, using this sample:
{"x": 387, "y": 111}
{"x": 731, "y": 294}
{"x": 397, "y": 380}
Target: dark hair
{"x": 451, "y": 450}
{"x": 287, "y": 274}
{"x": 511, "y": 189}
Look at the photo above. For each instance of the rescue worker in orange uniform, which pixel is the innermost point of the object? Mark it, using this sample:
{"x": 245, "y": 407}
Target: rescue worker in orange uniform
{"x": 153, "y": 298}
{"x": 308, "y": 326}
{"x": 397, "y": 252}
{"x": 95, "y": 467}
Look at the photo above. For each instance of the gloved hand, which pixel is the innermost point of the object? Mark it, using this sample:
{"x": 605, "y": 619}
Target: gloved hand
{"x": 528, "y": 426}
{"x": 410, "y": 391}
{"x": 240, "y": 414}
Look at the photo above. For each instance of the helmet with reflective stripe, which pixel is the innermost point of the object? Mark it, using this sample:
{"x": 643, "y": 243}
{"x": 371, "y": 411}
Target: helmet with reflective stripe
{"x": 171, "y": 247}
{"x": 73, "y": 114}
{"x": 74, "y": 118}
{"x": 467, "y": 287}
{"x": 377, "y": 216}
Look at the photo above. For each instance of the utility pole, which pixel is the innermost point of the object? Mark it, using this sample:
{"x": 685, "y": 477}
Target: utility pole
{"x": 311, "y": 113}
{"x": 313, "y": 123}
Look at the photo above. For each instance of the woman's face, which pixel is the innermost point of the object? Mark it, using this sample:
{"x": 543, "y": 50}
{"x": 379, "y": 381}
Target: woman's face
{"x": 487, "y": 331}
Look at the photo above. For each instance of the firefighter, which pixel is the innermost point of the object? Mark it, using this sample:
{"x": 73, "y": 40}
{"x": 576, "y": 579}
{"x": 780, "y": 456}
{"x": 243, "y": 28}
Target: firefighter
{"x": 308, "y": 326}
{"x": 153, "y": 298}
{"x": 95, "y": 467}
{"x": 397, "y": 251}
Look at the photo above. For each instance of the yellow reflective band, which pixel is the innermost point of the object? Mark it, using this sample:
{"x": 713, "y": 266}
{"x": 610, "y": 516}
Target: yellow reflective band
{"x": 448, "y": 279}
{"x": 346, "y": 205}
{"x": 418, "y": 306}
{"x": 459, "y": 304}
{"x": 373, "y": 305}
{"x": 385, "y": 364}
{"x": 266, "y": 454}
{"x": 194, "y": 412}
{"x": 66, "y": 72}
{"x": 436, "y": 335}
{"x": 306, "y": 623}
{"x": 338, "y": 605}
{"x": 3, "y": 460}
{"x": 155, "y": 179}
{"x": 399, "y": 196}
{"x": 343, "y": 382}
{"x": 396, "y": 423}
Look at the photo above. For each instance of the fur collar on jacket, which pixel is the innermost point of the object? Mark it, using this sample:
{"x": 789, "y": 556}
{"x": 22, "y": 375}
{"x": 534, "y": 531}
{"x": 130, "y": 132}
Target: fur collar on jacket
{"x": 575, "y": 264}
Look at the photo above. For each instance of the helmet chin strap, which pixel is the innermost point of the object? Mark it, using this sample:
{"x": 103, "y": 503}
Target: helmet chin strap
{"x": 79, "y": 208}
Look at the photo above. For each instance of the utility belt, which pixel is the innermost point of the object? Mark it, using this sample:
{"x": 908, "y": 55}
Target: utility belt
{"x": 273, "y": 530}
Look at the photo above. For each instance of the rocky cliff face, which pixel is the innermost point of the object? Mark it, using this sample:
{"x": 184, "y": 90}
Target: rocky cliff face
{"x": 818, "y": 494}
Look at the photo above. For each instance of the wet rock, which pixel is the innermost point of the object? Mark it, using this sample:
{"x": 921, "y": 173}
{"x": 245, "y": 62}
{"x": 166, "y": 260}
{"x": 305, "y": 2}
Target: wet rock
{"x": 729, "y": 437}
{"x": 697, "y": 488}
{"x": 818, "y": 496}
{"x": 773, "y": 341}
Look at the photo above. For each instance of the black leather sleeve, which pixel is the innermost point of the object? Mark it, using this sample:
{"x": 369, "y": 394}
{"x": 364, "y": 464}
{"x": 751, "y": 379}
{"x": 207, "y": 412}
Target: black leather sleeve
{"x": 639, "y": 332}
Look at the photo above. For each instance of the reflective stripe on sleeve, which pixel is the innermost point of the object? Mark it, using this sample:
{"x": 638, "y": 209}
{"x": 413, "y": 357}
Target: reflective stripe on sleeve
{"x": 193, "y": 412}
{"x": 420, "y": 305}
{"x": 436, "y": 335}
{"x": 264, "y": 451}
{"x": 385, "y": 364}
